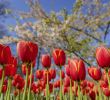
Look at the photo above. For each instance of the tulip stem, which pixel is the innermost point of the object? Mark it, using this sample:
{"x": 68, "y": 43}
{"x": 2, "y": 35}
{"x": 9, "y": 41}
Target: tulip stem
{"x": 47, "y": 87}
{"x": 100, "y": 96}
{"x": 3, "y": 75}
{"x": 24, "y": 93}
{"x": 9, "y": 89}
{"x": 79, "y": 98}
{"x": 71, "y": 96}
{"x": 30, "y": 83}
{"x": 60, "y": 84}
{"x": 108, "y": 78}
{"x": 53, "y": 90}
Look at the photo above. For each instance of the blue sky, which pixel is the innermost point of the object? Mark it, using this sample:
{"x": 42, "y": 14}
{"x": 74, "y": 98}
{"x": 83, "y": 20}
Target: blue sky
{"x": 48, "y": 5}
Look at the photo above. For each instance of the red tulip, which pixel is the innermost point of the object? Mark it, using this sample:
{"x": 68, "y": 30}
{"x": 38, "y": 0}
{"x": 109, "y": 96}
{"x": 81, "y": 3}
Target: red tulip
{"x": 83, "y": 84}
{"x": 45, "y": 73}
{"x": 46, "y": 61}
{"x": 27, "y": 51}
{"x": 103, "y": 84}
{"x": 5, "y": 54}
{"x": 34, "y": 88}
{"x": 18, "y": 82}
{"x": 106, "y": 91}
{"x": 11, "y": 69}
{"x": 90, "y": 84}
{"x": 39, "y": 74}
{"x": 59, "y": 57}
{"x": 4, "y": 88}
{"x": 24, "y": 69}
{"x": 52, "y": 73}
{"x": 67, "y": 81}
{"x": 103, "y": 57}
{"x": 95, "y": 73}
{"x": 92, "y": 95}
{"x": 77, "y": 69}
{"x": 62, "y": 74}
{"x": 67, "y": 69}
{"x": 57, "y": 84}
{"x": 65, "y": 90}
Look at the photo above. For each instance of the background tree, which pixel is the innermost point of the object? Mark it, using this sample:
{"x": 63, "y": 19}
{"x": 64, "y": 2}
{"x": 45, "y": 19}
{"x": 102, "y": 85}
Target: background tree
{"x": 4, "y": 5}
{"x": 78, "y": 32}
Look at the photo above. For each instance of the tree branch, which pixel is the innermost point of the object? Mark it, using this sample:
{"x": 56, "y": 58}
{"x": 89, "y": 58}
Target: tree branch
{"x": 106, "y": 31}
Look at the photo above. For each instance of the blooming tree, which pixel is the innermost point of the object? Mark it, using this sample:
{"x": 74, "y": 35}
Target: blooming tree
{"x": 78, "y": 32}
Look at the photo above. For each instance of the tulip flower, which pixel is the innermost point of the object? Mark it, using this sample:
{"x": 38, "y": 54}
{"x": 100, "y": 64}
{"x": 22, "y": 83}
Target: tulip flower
{"x": 18, "y": 82}
{"x": 11, "y": 69}
{"x": 103, "y": 57}
{"x": 106, "y": 91}
{"x": 77, "y": 69}
{"x": 4, "y": 88}
{"x": 46, "y": 61}
{"x": 59, "y": 57}
{"x": 95, "y": 73}
{"x": 52, "y": 73}
{"x": 24, "y": 69}
{"x": 67, "y": 69}
{"x": 39, "y": 74}
{"x": 67, "y": 81}
{"x": 27, "y": 51}
{"x": 92, "y": 95}
{"x": 5, "y": 54}
{"x": 34, "y": 88}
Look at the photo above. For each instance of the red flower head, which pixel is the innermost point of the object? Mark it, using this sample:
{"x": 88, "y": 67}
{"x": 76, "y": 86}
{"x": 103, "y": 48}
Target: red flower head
{"x": 27, "y": 51}
{"x": 11, "y": 68}
{"x": 52, "y": 73}
{"x": 103, "y": 57}
{"x": 34, "y": 88}
{"x": 4, "y": 88}
{"x": 95, "y": 73}
{"x": 62, "y": 74}
{"x": 67, "y": 81}
{"x": 92, "y": 95}
{"x": 24, "y": 69}
{"x": 39, "y": 74}
{"x": 67, "y": 69}
{"x": 45, "y": 73}
{"x": 106, "y": 91}
{"x": 46, "y": 61}
{"x": 77, "y": 69}
{"x": 5, "y": 54}
{"x": 18, "y": 82}
{"x": 57, "y": 84}
{"x": 59, "y": 57}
